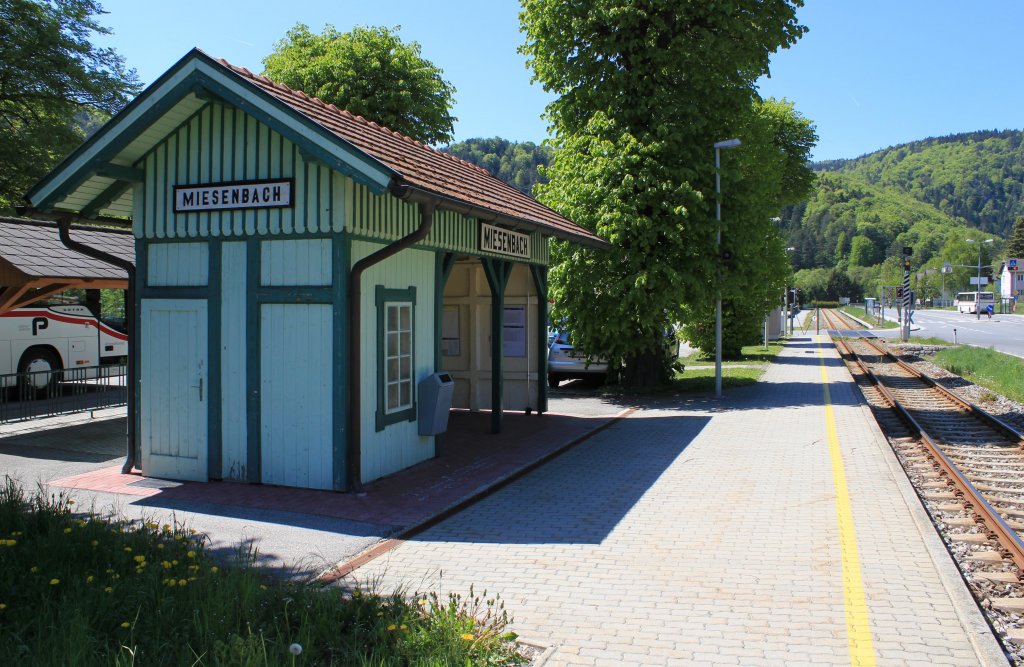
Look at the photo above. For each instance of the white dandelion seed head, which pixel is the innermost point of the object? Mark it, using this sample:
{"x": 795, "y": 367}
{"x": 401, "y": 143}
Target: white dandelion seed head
{"x": 295, "y": 649}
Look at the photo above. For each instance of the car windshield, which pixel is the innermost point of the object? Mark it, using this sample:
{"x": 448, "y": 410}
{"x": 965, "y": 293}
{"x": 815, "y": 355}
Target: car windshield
{"x": 563, "y": 338}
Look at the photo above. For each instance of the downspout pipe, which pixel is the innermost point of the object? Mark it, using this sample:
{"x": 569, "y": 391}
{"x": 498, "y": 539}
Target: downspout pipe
{"x": 64, "y": 226}
{"x": 353, "y": 452}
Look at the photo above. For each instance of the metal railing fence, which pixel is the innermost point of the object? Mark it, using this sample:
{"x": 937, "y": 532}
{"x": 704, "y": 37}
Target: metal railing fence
{"x": 33, "y": 395}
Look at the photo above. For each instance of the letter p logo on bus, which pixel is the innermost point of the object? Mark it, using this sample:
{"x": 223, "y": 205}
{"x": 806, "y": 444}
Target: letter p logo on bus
{"x": 39, "y": 323}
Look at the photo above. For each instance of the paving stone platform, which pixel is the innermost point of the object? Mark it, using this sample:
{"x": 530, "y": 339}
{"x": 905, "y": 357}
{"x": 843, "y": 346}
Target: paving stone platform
{"x": 701, "y": 532}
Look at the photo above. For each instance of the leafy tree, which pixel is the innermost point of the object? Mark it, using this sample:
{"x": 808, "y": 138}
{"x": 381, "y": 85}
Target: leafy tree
{"x": 645, "y": 88}
{"x": 369, "y": 72}
{"x": 518, "y": 164}
{"x": 1015, "y": 244}
{"x": 53, "y": 80}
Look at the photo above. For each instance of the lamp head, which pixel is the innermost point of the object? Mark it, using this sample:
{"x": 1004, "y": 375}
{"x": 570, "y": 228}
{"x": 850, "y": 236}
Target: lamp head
{"x": 728, "y": 143}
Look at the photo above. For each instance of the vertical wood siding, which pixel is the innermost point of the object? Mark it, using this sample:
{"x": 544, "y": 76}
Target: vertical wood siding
{"x": 222, "y": 144}
{"x": 178, "y": 264}
{"x": 399, "y": 445}
{"x": 388, "y": 218}
{"x": 467, "y": 290}
{"x": 295, "y": 395}
{"x": 174, "y": 411}
{"x": 296, "y": 262}
{"x": 233, "y": 347}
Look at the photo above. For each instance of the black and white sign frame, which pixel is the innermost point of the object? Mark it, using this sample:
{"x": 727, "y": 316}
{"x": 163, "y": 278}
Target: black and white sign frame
{"x": 235, "y": 195}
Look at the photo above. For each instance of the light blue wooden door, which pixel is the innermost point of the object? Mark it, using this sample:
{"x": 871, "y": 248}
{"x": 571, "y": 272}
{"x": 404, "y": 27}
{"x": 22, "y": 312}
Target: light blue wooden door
{"x": 296, "y": 361}
{"x": 173, "y": 406}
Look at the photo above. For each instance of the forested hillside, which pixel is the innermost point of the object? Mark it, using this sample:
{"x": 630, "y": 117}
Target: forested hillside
{"x": 930, "y": 195}
{"x": 514, "y": 163}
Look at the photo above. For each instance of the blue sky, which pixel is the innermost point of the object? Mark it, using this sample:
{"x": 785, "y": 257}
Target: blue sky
{"x": 869, "y": 74}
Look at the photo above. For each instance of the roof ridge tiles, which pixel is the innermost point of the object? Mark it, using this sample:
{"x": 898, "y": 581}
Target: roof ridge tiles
{"x": 407, "y": 157}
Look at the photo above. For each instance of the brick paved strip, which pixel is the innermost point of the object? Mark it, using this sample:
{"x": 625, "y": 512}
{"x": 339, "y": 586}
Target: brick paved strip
{"x": 348, "y": 567}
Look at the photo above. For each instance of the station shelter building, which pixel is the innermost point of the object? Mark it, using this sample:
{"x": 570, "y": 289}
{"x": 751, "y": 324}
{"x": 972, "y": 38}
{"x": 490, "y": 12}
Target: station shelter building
{"x": 300, "y": 270}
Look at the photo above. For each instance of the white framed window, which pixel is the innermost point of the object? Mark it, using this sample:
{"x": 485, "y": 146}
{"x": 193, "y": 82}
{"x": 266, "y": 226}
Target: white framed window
{"x": 396, "y": 360}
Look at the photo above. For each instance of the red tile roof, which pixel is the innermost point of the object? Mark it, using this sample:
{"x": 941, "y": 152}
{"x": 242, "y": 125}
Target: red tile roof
{"x": 420, "y": 165}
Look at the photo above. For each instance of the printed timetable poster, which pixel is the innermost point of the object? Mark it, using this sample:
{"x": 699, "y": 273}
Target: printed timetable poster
{"x": 515, "y": 331}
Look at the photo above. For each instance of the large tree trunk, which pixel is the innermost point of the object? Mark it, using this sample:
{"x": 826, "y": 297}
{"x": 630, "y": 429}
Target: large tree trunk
{"x": 645, "y": 369}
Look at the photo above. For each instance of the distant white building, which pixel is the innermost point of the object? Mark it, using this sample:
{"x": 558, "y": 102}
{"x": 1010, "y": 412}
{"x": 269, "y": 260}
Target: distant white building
{"x": 1011, "y": 279}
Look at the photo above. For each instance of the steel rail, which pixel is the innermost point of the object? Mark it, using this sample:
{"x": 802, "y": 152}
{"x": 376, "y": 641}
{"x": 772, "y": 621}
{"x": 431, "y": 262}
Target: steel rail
{"x": 980, "y": 413}
{"x": 974, "y": 502}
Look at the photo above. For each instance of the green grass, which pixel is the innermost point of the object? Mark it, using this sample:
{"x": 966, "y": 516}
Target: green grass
{"x": 872, "y": 320}
{"x": 751, "y": 354}
{"x": 929, "y": 340}
{"x": 1001, "y": 373}
{"x": 80, "y": 590}
{"x": 698, "y": 374}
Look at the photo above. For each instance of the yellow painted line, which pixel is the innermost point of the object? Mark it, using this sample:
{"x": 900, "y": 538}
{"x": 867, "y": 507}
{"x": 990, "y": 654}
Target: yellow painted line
{"x": 858, "y": 628}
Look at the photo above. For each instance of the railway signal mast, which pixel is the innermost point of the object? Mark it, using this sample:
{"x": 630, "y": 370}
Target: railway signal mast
{"x": 907, "y": 300}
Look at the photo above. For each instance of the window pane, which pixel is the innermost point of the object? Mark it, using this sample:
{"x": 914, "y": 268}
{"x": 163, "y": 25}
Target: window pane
{"x": 406, "y": 315}
{"x": 406, "y": 393}
{"x": 406, "y": 343}
{"x": 392, "y": 396}
{"x": 392, "y": 322}
{"x": 392, "y": 373}
{"x": 406, "y": 369}
{"x": 392, "y": 345}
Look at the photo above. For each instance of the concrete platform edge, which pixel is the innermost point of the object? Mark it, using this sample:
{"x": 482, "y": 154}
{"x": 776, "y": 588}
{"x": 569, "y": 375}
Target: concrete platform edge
{"x": 988, "y": 649}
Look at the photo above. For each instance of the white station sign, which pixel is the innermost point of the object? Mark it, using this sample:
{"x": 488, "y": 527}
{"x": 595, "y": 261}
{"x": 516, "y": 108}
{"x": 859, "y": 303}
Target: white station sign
{"x": 237, "y": 195}
{"x": 504, "y": 241}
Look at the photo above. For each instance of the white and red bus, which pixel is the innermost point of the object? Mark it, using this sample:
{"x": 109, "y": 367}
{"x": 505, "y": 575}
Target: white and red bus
{"x": 39, "y": 340}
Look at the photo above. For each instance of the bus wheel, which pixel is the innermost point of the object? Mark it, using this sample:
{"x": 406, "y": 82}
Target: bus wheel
{"x": 37, "y": 368}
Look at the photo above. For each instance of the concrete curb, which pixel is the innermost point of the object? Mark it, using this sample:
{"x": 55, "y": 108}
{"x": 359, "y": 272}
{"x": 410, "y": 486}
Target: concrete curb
{"x": 988, "y": 649}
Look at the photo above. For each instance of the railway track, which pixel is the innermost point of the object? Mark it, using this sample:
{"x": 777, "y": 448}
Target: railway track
{"x": 967, "y": 467}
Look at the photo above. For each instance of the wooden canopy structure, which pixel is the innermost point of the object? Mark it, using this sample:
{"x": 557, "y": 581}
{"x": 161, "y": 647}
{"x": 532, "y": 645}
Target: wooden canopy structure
{"x": 34, "y": 264}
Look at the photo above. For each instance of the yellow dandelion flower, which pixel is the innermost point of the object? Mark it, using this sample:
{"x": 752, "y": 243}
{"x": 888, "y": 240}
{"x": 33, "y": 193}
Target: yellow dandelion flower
{"x": 108, "y": 589}
{"x": 380, "y": 613}
{"x": 174, "y": 562}
{"x": 179, "y": 537}
{"x": 182, "y": 582}
{"x": 391, "y": 628}
{"x": 166, "y": 564}
{"x": 262, "y": 587}
{"x": 214, "y": 569}
{"x": 89, "y": 579}
{"x": 54, "y": 582}
{"x": 403, "y": 627}
{"x": 140, "y": 559}
{"x": 159, "y": 546}
{"x": 2, "y": 606}
{"x": 167, "y": 528}
{"x": 71, "y": 502}
{"x": 127, "y": 550}
{"x": 422, "y": 602}
{"x": 355, "y": 594}
{"x": 191, "y": 531}
{"x": 191, "y": 554}
{"x": 110, "y": 571}
{"x": 126, "y": 625}
{"x": 95, "y": 543}
{"x": 67, "y": 531}
{"x": 151, "y": 525}
{"x": 33, "y": 569}
{"x": 468, "y": 637}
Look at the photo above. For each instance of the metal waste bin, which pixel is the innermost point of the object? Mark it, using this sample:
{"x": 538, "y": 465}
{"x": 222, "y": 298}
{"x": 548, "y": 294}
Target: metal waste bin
{"x": 435, "y": 395}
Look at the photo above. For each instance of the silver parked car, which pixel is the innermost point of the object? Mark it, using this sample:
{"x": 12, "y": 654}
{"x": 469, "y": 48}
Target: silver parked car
{"x": 564, "y": 363}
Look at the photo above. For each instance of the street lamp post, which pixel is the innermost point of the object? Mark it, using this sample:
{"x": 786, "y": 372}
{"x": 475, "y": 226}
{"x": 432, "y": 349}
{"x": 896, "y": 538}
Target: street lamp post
{"x": 728, "y": 143}
{"x": 977, "y": 297}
